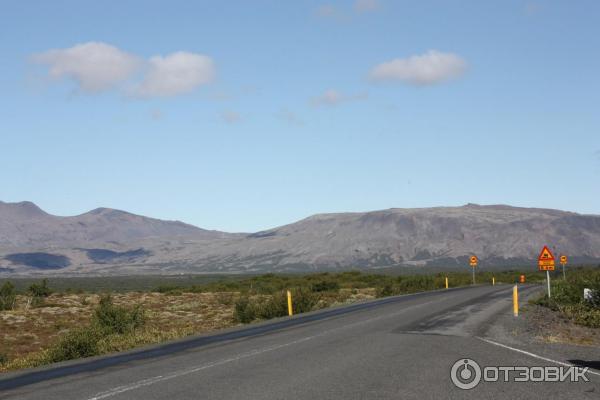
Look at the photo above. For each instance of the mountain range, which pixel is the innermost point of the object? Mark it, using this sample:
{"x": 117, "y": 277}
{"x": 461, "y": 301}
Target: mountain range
{"x": 107, "y": 241}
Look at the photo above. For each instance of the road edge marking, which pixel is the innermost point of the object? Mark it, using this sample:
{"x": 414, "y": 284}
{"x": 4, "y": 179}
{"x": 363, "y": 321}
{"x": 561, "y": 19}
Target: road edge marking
{"x": 564, "y": 364}
{"x": 150, "y": 381}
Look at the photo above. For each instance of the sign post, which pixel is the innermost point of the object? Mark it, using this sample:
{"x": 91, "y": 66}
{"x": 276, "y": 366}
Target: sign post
{"x": 473, "y": 262}
{"x": 546, "y": 263}
{"x": 563, "y": 262}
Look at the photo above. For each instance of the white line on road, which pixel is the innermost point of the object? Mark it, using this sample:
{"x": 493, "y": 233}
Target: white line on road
{"x": 160, "y": 378}
{"x": 533, "y": 355}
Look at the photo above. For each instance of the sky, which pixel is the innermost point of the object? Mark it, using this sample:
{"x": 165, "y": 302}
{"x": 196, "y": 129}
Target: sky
{"x": 246, "y": 115}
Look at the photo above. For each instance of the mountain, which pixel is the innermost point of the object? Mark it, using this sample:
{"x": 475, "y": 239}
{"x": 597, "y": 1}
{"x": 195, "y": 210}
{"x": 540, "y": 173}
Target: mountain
{"x": 427, "y": 236}
{"x": 25, "y": 225}
{"x": 438, "y": 237}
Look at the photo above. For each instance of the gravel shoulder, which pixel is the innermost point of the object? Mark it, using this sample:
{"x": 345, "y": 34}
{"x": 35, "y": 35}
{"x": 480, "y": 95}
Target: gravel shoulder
{"x": 546, "y": 333}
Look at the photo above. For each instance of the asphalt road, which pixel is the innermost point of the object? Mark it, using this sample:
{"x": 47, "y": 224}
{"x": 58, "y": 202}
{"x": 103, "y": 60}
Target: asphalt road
{"x": 396, "y": 348}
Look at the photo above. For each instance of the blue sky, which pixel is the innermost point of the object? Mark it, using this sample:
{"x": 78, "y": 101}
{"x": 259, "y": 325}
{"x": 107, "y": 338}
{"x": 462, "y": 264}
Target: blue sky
{"x": 242, "y": 116}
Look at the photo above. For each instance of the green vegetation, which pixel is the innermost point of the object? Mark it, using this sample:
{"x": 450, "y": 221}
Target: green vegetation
{"x": 231, "y": 299}
{"x": 231, "y": 282}
{"x": 567, "y": 296}
{"x": 8, "y": 296}
{"x": 38, "y": 292}
{"x": 247, "y": 308}
{"x": 263, "y": 297}
{"x": 108, "y": 323}
{"x": 40, "y": 289}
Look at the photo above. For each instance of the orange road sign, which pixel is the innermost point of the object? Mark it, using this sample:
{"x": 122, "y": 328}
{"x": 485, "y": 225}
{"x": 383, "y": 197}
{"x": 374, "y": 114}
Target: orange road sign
{"x": 546, "y": 260}
{"x": 563, "y": 259}
{"x": 473, "y": 261}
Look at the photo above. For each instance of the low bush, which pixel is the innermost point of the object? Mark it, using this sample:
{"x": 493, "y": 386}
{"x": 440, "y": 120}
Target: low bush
{"x": 8, "y": 296}
{"x": 325, "y": 286}
{"x": 244, "y": 310}
{"x": 248, "y": 309}
{"x": 79, "y": 343}
{"x": 40, "y": 289}
{"x": 167, "y": 289}
{"x": 108, "y": 321}
{"x": 567, "y": 297}
{"x": 583, "y": 314}
{"x": 110, "y": 318}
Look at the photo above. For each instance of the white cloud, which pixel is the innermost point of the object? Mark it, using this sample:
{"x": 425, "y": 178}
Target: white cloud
{"x": 94, "y": 66}
{"x": 425, "y": 69}
{"x": 97, "y": 67}
{"x": 332, "y": 97}
{"x": 176, "y": 73}
{"x": 231, "y": 117}
{"x": 363, "y": 6}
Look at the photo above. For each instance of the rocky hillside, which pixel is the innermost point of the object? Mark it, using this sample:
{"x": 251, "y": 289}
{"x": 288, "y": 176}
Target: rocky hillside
{"x": 24, "y": 225}
{"x": 442, "y": 237}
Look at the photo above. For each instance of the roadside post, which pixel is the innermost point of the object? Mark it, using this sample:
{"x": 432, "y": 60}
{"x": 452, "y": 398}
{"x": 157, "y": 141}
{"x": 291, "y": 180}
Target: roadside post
{"x": 493, "y": 281}
{"x": 473, "y": 262}
{"x": 446, "y": 282}
{"x": 289, "y": 299}
{"x": 563, "y": 262}
{"x": 546, "y": 263}
{"x": 515, "y": 301}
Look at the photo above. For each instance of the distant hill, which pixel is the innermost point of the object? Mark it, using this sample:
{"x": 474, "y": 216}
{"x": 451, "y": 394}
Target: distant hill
{"x": 26, "y": 225}
{"x": 442, "y": 236}
{"x": 107, "y": 241}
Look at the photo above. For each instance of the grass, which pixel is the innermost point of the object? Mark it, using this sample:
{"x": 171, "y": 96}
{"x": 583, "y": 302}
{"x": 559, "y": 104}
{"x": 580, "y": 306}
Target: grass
{"x": 77, "y": 319}
{"x": 567, "y": 296}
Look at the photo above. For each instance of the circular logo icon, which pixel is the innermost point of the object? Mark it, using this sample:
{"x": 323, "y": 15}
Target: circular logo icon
{"x": 465, "y": 374}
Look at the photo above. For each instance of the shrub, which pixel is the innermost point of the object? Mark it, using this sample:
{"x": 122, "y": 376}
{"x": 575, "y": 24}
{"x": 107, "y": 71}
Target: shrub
{"x": 273, "y": 307}
{"x": 567, "y": 297}
{"x": 583, "y": 314}
{"x": 247, "y": 309}
{"x": 386, "y": 290}
{"x": 325, "y": 286}
{"x": 40, "y": 289}
{"x": 167, "y": 289}
{"x": 244, "y": 310}
{"x": 303, "y": 300}
{"x": 8, "y": 296}
{"x": 82, "y": 342}
{"x": 114, "y": 319}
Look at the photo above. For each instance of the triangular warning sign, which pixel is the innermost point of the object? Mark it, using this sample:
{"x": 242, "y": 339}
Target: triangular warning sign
{"x": 546, "y": 255}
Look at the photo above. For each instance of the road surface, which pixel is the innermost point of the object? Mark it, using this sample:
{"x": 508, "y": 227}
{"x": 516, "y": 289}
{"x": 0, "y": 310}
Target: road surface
{"x": 395, "y": 348}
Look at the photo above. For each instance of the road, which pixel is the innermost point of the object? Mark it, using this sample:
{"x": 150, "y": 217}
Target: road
{"x": 395, "y": 348}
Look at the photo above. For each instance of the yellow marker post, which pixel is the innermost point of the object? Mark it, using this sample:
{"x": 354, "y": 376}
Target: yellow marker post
{"x": 493, "y": 281}
{"x": 289, "y": 298}
{"x": 515, "y": 301}
{"x": 446, "y": 282}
